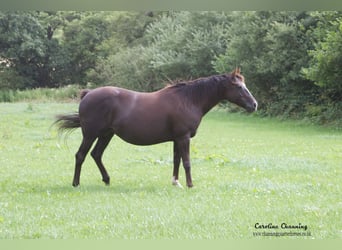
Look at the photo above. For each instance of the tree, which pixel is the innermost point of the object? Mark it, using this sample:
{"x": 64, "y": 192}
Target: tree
{"x": 326, "y": 58}
{"x": 81, "y": 39}
{"x": 183, "y": 44}
{"x": 122, "y": 59}
{"x": 21, "y": 46}
{"x": 177, "y": 45}
{"x": 29, "y": 52}
{"x": 271, "y": 48}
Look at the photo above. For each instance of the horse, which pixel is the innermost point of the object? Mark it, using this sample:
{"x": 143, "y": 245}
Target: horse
{"x": 172, "y": 114}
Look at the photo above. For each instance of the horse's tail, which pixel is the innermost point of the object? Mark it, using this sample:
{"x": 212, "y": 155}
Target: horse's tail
{"x": 70, "y": 121}
{"x": 67, "y": 122}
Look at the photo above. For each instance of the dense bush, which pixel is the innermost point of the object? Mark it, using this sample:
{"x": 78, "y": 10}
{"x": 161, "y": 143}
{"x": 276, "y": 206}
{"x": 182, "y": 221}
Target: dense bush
{"x": 128, "y": 68}
{"x": 326, "y": 63}
{"x": 271, "y": 48}
{"x": 180, "y": 45}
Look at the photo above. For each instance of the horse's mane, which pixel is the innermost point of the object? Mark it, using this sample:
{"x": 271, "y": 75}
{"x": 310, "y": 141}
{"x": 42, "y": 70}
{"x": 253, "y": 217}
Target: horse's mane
{"x": 207, "y": 81}
{"x": 199, "y": 88}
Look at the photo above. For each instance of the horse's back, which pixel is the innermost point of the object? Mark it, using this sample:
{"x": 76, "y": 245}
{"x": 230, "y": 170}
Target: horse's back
{"x": 107, "y": 97}
{"x": 119, "y": 109}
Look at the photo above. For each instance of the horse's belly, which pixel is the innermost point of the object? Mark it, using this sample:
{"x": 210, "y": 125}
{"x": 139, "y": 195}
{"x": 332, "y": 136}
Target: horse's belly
{"x": 143, "y": 131}
{"x": 143, "y": 137}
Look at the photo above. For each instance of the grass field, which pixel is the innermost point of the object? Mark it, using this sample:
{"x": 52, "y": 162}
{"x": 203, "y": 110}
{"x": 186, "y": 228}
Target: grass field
{"x": 246, "y": 171}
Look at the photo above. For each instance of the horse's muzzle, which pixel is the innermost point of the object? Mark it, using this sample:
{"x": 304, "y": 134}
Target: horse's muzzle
{"x": 252, "y": 107}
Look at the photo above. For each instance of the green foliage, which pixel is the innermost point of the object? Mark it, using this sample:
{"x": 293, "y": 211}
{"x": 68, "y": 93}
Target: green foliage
{"x": 29, "y": 52}
{"x": 179, "y": 45}
{"x": 326, "y": 63}
{"x": 128, "y": 68}
{"x": 129, "y": 28}
{"x": 183, "y": 44}
{"x": 271, "y": 48}
{"x": 110, "y": 56}
{"x": 81, "y": 39}
{"x": 21, "y": 45}
{"x": 10, "y": 78}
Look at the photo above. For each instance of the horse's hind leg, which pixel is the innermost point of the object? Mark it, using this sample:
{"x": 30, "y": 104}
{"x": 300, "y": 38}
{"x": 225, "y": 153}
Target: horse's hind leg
{"x": 97, "y": 153}
{"x": 80, "y": 156}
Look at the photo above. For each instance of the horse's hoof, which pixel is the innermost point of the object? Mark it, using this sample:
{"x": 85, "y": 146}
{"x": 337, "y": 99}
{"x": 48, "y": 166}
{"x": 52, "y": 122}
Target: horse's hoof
{"x": 176, "y": 183}
{"x": 75, "y": 184}
{"x": 107, "y": 181}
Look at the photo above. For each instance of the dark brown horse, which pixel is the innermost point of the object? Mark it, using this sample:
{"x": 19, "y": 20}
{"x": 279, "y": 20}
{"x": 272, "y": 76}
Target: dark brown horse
{"x": 170, "y": 114}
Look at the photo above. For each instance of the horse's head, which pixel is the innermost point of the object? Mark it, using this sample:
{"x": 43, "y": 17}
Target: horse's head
{"x": 237, "y": 92}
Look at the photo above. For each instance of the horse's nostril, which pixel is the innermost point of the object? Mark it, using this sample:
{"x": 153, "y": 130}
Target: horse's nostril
{"x": 255, "y": 105}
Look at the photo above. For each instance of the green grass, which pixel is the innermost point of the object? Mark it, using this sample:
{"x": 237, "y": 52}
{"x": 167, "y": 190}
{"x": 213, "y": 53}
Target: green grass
{"x": 66, "y": 93}
{"x": 245, "y": 169}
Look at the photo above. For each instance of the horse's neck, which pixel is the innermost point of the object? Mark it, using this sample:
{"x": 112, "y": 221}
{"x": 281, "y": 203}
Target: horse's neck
{"x": 209, "y": 105}
{"x": 211, "y": 98}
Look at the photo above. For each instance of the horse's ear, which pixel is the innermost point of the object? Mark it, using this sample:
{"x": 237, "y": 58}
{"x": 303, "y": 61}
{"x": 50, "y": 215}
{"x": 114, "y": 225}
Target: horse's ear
{"x": 236, "y": 71}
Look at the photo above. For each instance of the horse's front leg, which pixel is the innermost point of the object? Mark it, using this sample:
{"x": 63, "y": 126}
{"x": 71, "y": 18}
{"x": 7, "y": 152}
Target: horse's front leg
{"x": 184, "y": 151}
{"x": 176, "y": 163}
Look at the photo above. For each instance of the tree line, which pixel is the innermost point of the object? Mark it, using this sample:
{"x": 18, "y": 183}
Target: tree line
{"x": 292, "y": 60}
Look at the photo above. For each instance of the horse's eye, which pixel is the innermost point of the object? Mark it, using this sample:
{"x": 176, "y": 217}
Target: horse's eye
{"x": 238, "y": 77}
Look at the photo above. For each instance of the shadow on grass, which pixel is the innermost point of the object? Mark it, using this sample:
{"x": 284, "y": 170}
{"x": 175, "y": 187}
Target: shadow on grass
{"x": 115, "y": 188}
